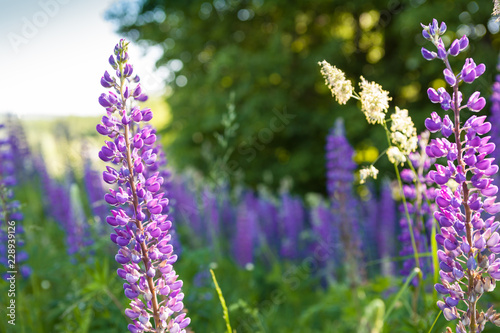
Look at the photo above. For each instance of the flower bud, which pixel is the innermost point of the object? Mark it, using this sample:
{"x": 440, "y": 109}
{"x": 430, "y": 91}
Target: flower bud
{"x": 428, "y": 55}
{"x": 454, "y": 49}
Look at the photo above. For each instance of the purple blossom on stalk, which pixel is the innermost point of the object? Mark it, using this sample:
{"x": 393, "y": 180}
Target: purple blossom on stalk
{"x": 95, "y": 190}
{"x": 160, "y": 167}
{"x": 185, "y": 208}
{"x": 211, "y": 214}
{"x": 292, "y": 216}
{"x": 141, "y": 229}
{"x": 10, "y": 214}
{"x": 371, "y": 222}
{"x": 340, "y": 166}
{"x": 340, "y": 169}
{"x": 78, "y": 233}
{"x": 63, "y": 205}
{"x": 227, "y": 214}
{"x": 268, "y": 218}
{"x": 385, "y": 233}
{"x": 495, "y": 121}
{"x": 326, "y": 234}
{"x": 418, "y": 189}
{"x": 246, "y": 231}
{"x": 21, "y": 154}
{"x": 469, "y": 239}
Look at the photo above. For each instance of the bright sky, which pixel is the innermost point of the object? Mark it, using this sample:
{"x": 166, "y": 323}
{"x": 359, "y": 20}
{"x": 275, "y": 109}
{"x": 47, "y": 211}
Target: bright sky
{"x": 53, "y": 54}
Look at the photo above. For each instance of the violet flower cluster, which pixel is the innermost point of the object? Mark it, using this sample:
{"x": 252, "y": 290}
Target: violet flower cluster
{"x": 420, "y": 193}
{"x": 211, "y": 212}
{"x": 340, "y": 177}
{"x": 246, "y": 231}
{"x": 378, "y": 231}
{"x": 326, "y": 234}
{"x": 495, "y": 121}
{"x": 21, "y": 153}
{"x": 284, "y": 227}
{"x": 141, "y": 229}
{"x": 292, "y": 214}
{"x": 95, "y": 190}
{"x": 386, "y": 227}
{"x": 469, "y": 239}
{"x": 10, "y": 214}
{"x": 62, "y": 203}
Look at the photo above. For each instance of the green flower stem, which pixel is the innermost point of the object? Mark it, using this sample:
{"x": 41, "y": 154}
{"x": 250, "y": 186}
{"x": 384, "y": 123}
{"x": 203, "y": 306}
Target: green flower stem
{"x": 222, "y": 302}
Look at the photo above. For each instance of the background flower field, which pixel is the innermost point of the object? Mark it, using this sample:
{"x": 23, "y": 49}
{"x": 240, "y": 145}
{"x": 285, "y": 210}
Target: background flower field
{"x": 261, "y": 168}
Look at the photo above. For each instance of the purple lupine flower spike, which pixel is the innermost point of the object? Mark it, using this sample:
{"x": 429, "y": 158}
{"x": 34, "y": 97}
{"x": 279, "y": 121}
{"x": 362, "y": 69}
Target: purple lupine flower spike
{"x": 141, "y": 228}
{"x": 340, "y": 169}
{"x": 292, "y": 224}
{"x": 418, "y": 190}
{"x": 339, "y": 161}
{"x": 269, "y": 224}
{"x": 325, "y": 234}
{"x": 211, "y": 212}
{"x": 10, "y": 213}
{"x": 386, "y": 232}
{"x": 467, "y": 204}
{"x": 94, "y": 186}
{"x": 495, "y": 121}
{"x": 186, "y": 207}
{"x": 246, "y": 231}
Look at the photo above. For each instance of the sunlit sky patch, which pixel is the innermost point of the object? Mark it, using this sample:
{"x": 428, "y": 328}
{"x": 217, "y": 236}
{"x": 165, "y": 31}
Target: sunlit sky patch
{"x": 53, "y": 54}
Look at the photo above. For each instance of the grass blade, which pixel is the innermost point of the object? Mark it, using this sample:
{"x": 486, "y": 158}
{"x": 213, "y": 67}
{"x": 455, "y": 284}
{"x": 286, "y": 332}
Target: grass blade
{"x": 222, "y": 302}
{"x": 435, "y": 321}
{"x": 415, "y": 271}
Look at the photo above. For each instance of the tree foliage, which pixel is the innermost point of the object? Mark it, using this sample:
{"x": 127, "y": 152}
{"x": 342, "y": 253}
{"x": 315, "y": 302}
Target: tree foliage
{"x": 266, "y": 52}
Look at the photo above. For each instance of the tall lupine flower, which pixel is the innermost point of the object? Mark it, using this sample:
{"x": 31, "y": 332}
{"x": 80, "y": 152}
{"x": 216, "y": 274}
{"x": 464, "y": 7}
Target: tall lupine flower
{"x": 340, "y": 165}
{"x": 211, "y": 215}
{"x": 292, "y": 217}
{"x": 78, "y": 232}
{"x": 185, "y": 208}
{"x": 57, "y": 202}
{"x": 10, "y": 214}
{"x": 495, "y": 121}
{"x": 161, "y": 164}
{"x": 340, "y": 169}
{"x": 246, "y": 231}
{"x": 268, "y": 218}
{"x": 141, "y": 230}
{"x": 21, "y": 154}
{"x": 63, "y": 204}
{"x": 368, "y": 209}
{"x": 326, "y": 235}
{"x": 466, "y": 196}
{"x": 227, "y": 215}
{"x": 95, "y": 190}
{"x": 387, "y": 228}
{"x": 378, "y": 228}
{"x": 161, "y": 170}
{"x": 419, "y": 191}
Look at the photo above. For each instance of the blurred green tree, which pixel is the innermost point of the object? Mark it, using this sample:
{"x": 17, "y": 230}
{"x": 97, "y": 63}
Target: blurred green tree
{"x": 266, "y": 52}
